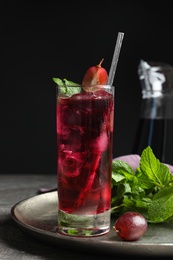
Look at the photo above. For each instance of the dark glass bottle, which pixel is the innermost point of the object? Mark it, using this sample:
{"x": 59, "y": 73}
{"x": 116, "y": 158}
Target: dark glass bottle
{"x": 155, "y": 127}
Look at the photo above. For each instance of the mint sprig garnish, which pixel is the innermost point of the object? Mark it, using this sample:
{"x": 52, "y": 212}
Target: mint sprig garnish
{"x": 67, "y": 87}
{"x": 148, "y": 190}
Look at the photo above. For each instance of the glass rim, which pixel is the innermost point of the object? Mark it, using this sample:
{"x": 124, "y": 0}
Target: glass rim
{"x": 87, "y": 86}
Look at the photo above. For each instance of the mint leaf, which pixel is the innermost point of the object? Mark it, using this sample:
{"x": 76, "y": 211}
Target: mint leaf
{"x": 161, "y": 206}
{"x": 124, "y": 184}
{"x": 67, "y": 87}
{"x": 78, "y": 232}
{"x": 123, "y": 168}
{"x": 158, "y": 173}
{"x": 143, "y": 180}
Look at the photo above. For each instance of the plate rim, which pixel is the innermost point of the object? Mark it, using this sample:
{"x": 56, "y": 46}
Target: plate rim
{"x": 98, "y": 244}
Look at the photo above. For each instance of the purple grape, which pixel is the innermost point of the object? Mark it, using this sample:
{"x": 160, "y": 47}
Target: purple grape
{"x": 131, "y": 226}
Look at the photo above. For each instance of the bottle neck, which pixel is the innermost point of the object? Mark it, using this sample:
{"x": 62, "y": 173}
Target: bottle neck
{"x": 156, "y": 79}
{"x": 160, "y": 107}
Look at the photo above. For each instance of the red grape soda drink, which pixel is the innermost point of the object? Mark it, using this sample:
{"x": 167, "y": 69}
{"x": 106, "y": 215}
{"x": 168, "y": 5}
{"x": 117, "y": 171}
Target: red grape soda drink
{"x": 84, "y": 123}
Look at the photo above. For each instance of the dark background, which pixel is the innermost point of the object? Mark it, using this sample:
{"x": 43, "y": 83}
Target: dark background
{"x": 63, "y": 39}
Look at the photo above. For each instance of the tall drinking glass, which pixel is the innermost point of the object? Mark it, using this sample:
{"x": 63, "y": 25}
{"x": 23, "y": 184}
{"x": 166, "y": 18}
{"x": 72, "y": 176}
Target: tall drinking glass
{"x": 85, "y": 122}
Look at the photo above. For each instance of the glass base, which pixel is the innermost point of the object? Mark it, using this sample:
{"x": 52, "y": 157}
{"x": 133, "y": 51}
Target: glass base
{"x": 83, "y": 225}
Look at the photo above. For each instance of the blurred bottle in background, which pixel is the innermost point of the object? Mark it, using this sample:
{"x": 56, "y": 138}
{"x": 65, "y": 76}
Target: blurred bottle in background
{"x": 155, "y": 127}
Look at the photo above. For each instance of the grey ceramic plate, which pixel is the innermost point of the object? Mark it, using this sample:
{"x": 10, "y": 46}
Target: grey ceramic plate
{"x": 38, "y": 217}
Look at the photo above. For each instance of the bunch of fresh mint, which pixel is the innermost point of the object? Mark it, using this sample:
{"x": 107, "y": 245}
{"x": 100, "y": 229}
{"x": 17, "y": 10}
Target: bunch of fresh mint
{"x": 148, "y": 190}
